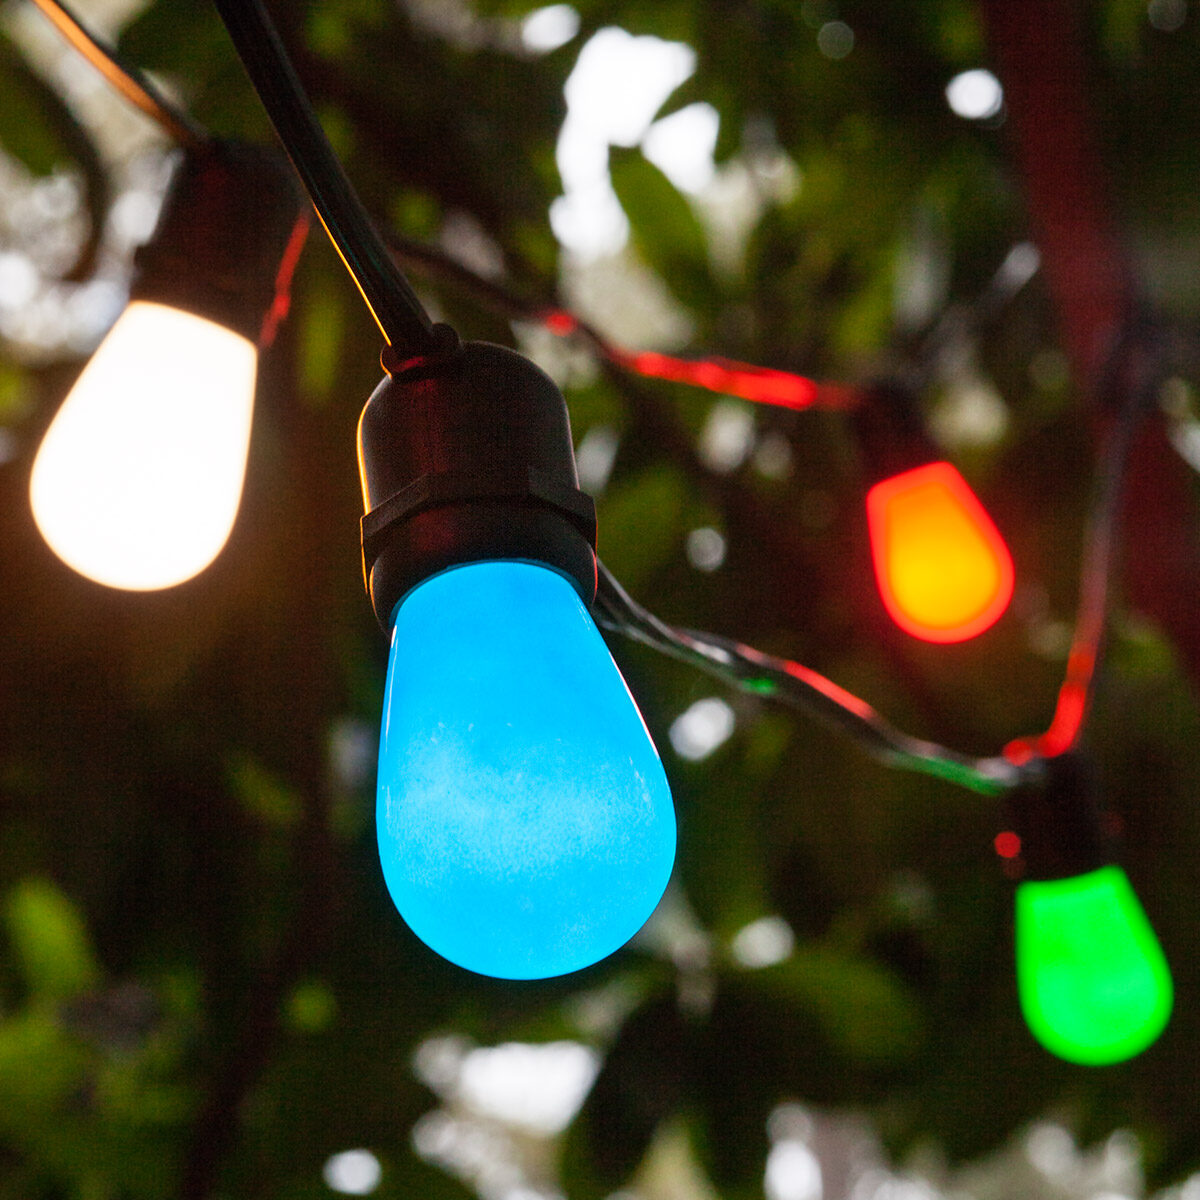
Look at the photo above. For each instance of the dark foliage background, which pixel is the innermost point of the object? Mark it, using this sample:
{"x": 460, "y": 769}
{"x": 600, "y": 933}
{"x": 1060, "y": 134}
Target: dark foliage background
{"x": 204, "y": 989}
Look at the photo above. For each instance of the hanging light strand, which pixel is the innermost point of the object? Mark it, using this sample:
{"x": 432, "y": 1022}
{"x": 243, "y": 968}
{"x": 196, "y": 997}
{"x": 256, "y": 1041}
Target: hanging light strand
{"x": 777, "y": 678}
{"x": 764, "y": 674}
{"x": 127, "y": 79}
{"x": 397, "y": 310}
{"x": 713, "y": 373}
{"x": 1137, "y": 350}
{"x": 1021, "y": 762}
{"x": 407, "y": 327}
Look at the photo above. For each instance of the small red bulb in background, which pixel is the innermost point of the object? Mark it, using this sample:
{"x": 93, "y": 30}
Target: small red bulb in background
{"x": 1008, "y": 844}
{"x": 943, "y": 570}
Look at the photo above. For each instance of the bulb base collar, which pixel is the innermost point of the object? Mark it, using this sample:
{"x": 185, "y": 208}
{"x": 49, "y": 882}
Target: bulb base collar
{"x": 468, "y": 458}
{"x": 1058, "y": 821}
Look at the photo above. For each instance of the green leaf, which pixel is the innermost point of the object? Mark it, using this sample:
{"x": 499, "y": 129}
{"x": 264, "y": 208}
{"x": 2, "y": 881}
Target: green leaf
{"x": 188, "y": 42}
{"x": 39, "y": 1067}
{"x": 311, "y": 1007}
{"x": 967, "y": 1099}
{"x": 865, "y": 1011}
{"x": 643, "y": 1082}
{"x": 31, "y": 116}
{"x": 666, "y": 231}
{"x": 756, "y": 1050}
{"x": 1122, "y": 23}
{"x": 263, "y": 794}
{"x": 15, "y": 394}
{"x": 321, "y": 342}
{"x": 176, "y": 36}
{"x": 632, "y": 545}
{"x": 50, "y": 940}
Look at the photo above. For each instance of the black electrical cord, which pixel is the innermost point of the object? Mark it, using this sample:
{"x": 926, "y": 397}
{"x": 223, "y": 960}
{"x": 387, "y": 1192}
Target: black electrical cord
{"x": 1099, "y": 544}
{"x": 127, "y": 79}
{"x": 401, "y": 317}
{"x": 777, "y": 678}
{"x": 767, "y": 675}
{"x": 751, "y": 669}
{"x": 1138, "y": 353}
{"x": 764, "y": 385}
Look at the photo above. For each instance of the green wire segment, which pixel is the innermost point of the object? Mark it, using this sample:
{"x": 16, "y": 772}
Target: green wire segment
{"x": 1094, "y": 984}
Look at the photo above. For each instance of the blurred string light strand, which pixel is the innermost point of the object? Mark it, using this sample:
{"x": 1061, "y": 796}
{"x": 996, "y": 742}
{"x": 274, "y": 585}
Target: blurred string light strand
{"x": 128, "y": 80}
{"x": 370, "y": 259}
{"x": 399, "y": 313}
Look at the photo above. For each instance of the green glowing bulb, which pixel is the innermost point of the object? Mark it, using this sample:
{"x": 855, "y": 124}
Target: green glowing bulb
{"x": 1094, "y": 984}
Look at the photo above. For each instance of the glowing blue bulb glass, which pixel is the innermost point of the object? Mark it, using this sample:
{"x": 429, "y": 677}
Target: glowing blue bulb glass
{"x": 525, "y": 823}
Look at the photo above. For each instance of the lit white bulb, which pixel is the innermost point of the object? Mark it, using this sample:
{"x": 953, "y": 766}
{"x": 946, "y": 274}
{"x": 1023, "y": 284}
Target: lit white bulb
{"x": 975, "y": 95}
{"x": 138, "y": 480}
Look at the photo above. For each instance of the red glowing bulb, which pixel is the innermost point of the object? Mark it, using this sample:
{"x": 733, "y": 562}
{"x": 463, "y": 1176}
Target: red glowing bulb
{"x": 1008, "y": 844}
{"x": 942, "y": 567}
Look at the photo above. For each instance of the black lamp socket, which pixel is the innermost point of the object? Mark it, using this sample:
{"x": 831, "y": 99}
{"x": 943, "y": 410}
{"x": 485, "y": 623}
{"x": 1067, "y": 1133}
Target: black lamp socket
{"x": 229, "y": 217}
{"x": 1058, "y": 820}
{"x": 891, "y": 432}
{"x": 468, "y": 458}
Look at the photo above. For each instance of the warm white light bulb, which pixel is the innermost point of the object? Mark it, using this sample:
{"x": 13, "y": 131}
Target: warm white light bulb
{"x": 137, "y": 482}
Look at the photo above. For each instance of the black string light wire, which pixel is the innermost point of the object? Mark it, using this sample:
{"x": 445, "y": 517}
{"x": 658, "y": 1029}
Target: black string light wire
{"x": 1141, "y": 351}
{"x": 747, "y": 381}
{"x": 397, "y": 310}
{"x": 127, "y": 79}
{"x": 408, "y": 329}
{"x": 779, "y": 679}
{"x": 762, "y": 385}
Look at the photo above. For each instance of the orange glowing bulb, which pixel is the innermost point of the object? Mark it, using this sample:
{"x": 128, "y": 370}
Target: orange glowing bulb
{"x": 942, "y": 567}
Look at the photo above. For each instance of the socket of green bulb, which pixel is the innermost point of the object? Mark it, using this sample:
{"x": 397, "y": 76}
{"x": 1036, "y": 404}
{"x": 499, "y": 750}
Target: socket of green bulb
{"x": 1094, "y": 984}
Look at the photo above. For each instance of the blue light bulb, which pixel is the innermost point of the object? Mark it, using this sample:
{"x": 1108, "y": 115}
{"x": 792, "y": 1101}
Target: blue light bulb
{"x": 525, "y": 823}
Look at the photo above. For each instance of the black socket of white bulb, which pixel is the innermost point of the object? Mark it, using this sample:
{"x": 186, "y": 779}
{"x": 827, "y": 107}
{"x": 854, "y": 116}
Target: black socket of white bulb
{"x": 467, "y": 457}
{"x": 230, "y": 214}
{"x": 1057, "y": 818}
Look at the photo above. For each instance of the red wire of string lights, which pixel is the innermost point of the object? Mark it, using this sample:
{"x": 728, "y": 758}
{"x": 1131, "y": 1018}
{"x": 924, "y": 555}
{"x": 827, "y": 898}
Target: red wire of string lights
{"x": 725, "y": 376}
{"x": 1067, "y": 722}
{"x": 283, "y": 281}
{"x": 761, "y": 385}
{"x": 1075, "y": 694}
